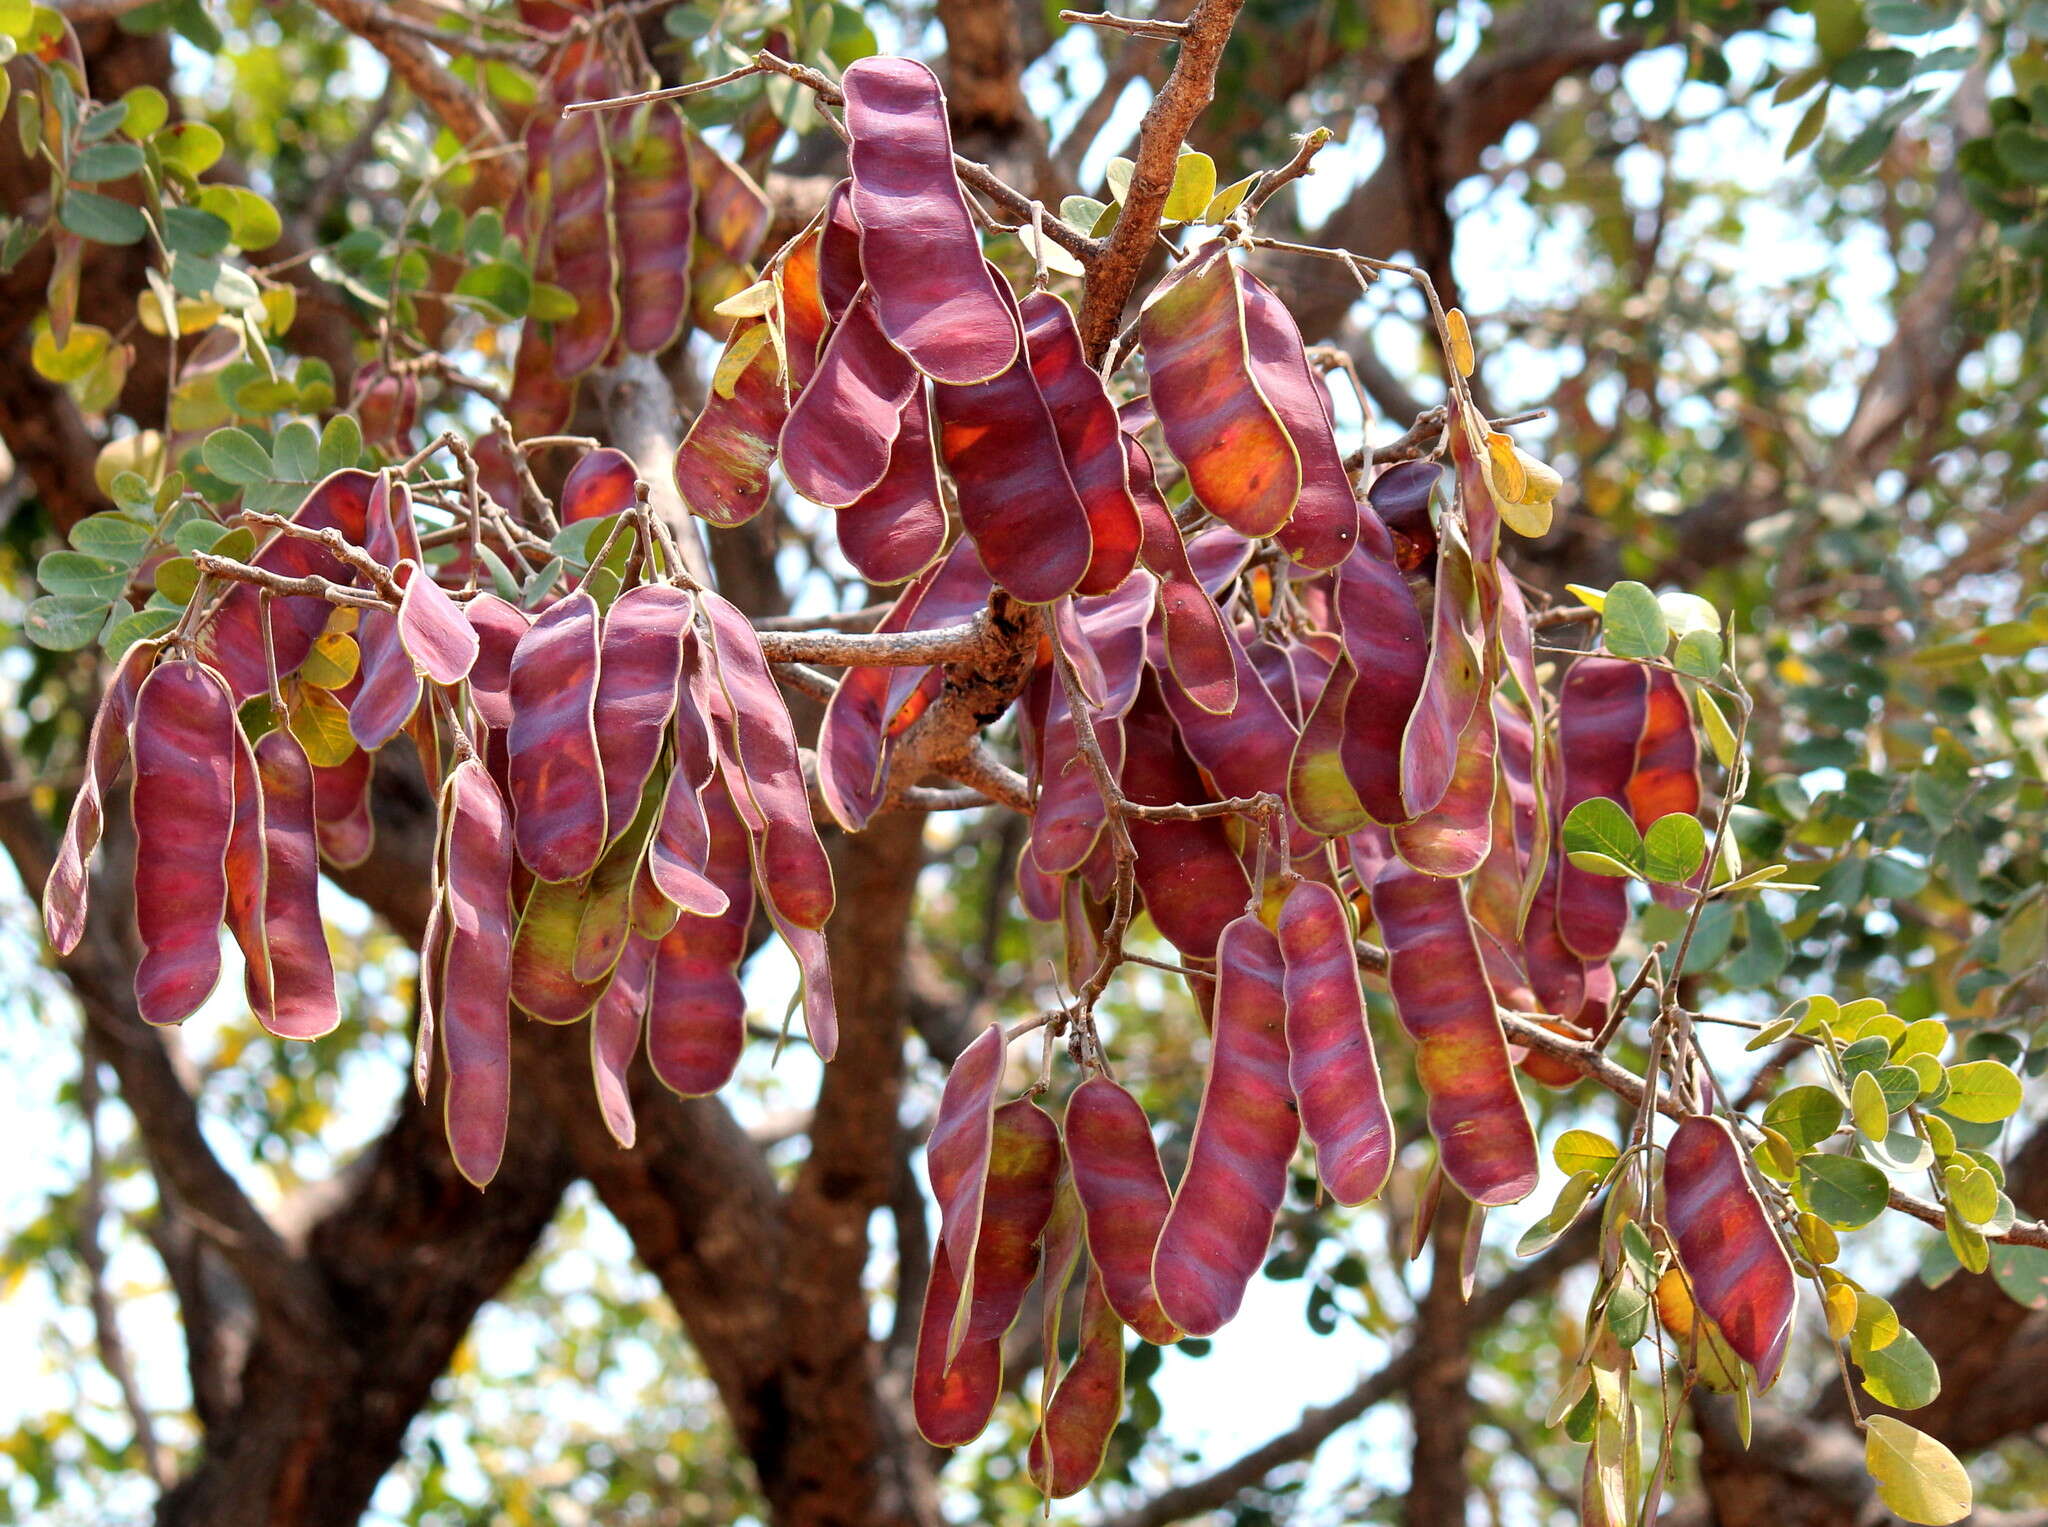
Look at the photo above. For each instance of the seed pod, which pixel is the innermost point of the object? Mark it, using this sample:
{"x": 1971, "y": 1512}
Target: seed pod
{"x": 655, "y": 209}
{"x": 936, "y": 298}
{"x": 1461, "y": 1057}
{"x": 1197, "y": 641}
{"x": 341, "y": 810}
{"x": 697, "y": 1016}
{"x": 1216, "y": 1234}
{"x": 955, "y": 1383}
{"x": 603, "y": 482}
{"x": 722, "y": 464}
{"x": 1399, "y": 498}
{"x": 303, "y": 1003}
{"x": 1113, "y": 630}
{"x": 1600, "y": 716}
{"x": 1125, "y": 1199}
{"x": 1249, "y": 749}
{"x": 1066, "y": 1450}
{"x": 543, "y": 979}
{"x": 1089, "y": 436}
{"x": 67, "y": 893}
{"x": 1324, "y": 525}
{"x": 1737, "y": 1266}
{"x": 679, "y": 854}
{"x": 839, "y": 274}
{"x": 1452, "y": 837}
{"x": 248, "y": 862}
{"x": 441, "y": 644}
{"x": 897, "y": 528}
{"x": 1191, "y": 878}
{"x": 999, "y": 443}
{"x": 1330, "y": 1061}
{"x": 1319, "y": 792}
{"x": 581, "y": 234}
{"x": 1216, "y": 418}
{"x": 836, "y": 443}
{"x": 1389, "y": 654}
{"x": 797, "y": 877}
{"x": 1666, "y": 777}
{"x": 1452, "y": 685}
{"x": 640, "y": 665}
{"x": 957, "y": 1150}
{"x": 558, "y": 795}
{"x": 1070, "y": 812}
{"x": 475, "y": 1016}
{"x": 607, "y": 915}
{"x": 615, "y": 1026}
{"x": 390, "y": 689}
{"x": 804, "y": 320}
{"x": 184, "y": 740}
{"x": 498, "y": 627}
{"x": 732, "y": 219}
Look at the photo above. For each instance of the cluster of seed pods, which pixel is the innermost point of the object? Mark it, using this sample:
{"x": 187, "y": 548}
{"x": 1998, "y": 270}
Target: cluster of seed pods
{"x": 1342, "y": 654}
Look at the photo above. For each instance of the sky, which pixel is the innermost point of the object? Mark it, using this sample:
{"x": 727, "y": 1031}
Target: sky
{"x": 1265, "y": 1367}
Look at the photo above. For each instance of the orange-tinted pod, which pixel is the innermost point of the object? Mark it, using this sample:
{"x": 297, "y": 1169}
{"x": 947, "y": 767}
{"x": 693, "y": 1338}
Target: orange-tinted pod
{"x": 897, "y": 528}
{"x": 957, "y": 1150}
{"x": 1732, "y": 1256}
{"x": 1217, "y": 420}
{"x": 1446, "y": 1004}
{"x": 1318, "y": 790}
{"x": 837, "y": 441}
{"x": 655, "y": 208}
{"x": 1192, "y": 881}
{"x": 603, "y": 482}
{"x": 1221, "y": 1222}
{"x": 1388, "y": 651}
{"x": 544, "y": 954}
{"x": 1600, "y": 716}
{"x": 581, "y": 233}
{"x": 615, "y": 1025}
{"x": 732, "y": 216}
{"x": 1198, "y": 643}
{"x": 1324, "y": 526}
{"x": 1090, "y": 436}
{"x": 722, "y": 464}
{"x": 1124, "y": 1197}
{"x": 1330, "y": 1061}
{"x": 1452, "y": 685}
{"x": 1667, "y": 766}
{"x": 1453, "y": 836}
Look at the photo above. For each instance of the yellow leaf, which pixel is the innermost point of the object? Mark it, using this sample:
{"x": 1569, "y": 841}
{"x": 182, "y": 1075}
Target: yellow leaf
{"x": 1460, "y": 334}
{"x": 1510, "y": 478}
{"x": 1840, "y": 1304}
{"x": 1194, "y": 186}
{"x": 320, "y": 722}
{"x": 740, "y": 354}
{"x": 332, "y": 662}
{"x": 1916, "y": 1476}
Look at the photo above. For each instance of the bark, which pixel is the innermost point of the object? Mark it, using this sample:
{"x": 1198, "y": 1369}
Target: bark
{"x": 1439, "y": 1396}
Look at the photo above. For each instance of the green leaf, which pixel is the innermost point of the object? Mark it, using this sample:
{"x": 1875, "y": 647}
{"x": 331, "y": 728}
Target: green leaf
{"x": 1580, "y": 1150}
{"x": 1194, "y": 186}
{"x": 72, "y": 572}
{"x": 2024, "y": 151}
{"x": 1674, "y": 847}
{"x": 147, "y": 111}
{"x": 1900, "y": 1084}
{"x": 1600, "y": 864}
{"x": 190, "y": 231}
{"x": 111, "y": 537}
{"x": 1845, "y": 1192}
{"x": 1118, "y": 174}
{"x": 1805, "y": 1115}
{"x": 1571, "y": 1198}
{"x": 190, "y": 146}
{"x": 1898, "y": 1373}
{"x": 102, "y": 219}
{"x": 106, "y": 161}
{"x": 296, "y": 452}
{"x": 65, "y": 622}
{"x": 1601, "y": 826}
{"x": 1981, "y": 1092}
{"x": 234, "y": 457}
{"x": 2022, "y": 1271}
{"x": 501, "y": 286}
{"x": 1080, "y": 212}
{"x": 1229, "y": 199}
{"x": 177, "y": 579}
{"x": 1866, "y": 1106}
{"x": 1632, "y": 622}
{"x": 341, "y": 444}
{"x": 1720, "y": 735}
{"x": 1916, "y": 1476}
{"x": 138, "y": 625}
{"x": 1699, "y": 654}
{"x": 1973, "y": 1192}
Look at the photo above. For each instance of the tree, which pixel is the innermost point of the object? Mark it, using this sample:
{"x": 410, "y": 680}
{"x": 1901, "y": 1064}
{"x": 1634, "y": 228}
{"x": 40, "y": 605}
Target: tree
{"x": 1327, "y": 804}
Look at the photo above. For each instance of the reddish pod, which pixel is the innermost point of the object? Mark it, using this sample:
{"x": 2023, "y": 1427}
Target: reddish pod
{"x": 341, "y": 810}
{"x": 839, "y": 274}
{"x": 184, "y": 739}
{"x": 475, "y": 1008}
{"x": 640, "y": 664}
{"x": 1600, "y": 716}
{"x": 615, "y": 1025}
{"x": 1198, "y": 643}
{"x": 1249, "y": 749}
{"x": 557, "y": 782}
{"x": 1217, "y": 420}
{"x": 732, "y": 219}
{"x": 248, "y": 862}
{"x": 1453, "y": 836}
{"x": 1452, "y": 685}
{"x": 1441, "y": 991}
{"x": 498, "y": 627}
{"x": 697, "y": 1016}
{"x": 1666, "y": 777}
{"x": 999, "y": 443}
{"x": 1192, "y": 881}
{"x": 962, "y": 1135}
{"x": 936, "y": 298}
{"x": 302, "y": 996}
{"x": 1324, "y": 525}
{"x": 804, "y": 319}
{"x": 1737, "y": 1266}
{"x": 655, "y": 209}
{"x": 1217, "y": 1231}
{"x": 441, "y": 644}
{"x": 897, "y": 528}
{"x": 796, "y": 875}
{"x": 1388, "y": 650}
{"x": 1399, "y": 499}
{"x": 1066, "y": 1450}
{"x": 581, "y": 233}
{"x": 1124, "y": 1197}
{"x": 836, "y": 444}
{"x": 1319, "y": 792}
{"x": 959, "y": 1368}
{"x": 722, "y": 464}
{"x": 603, "y": 482}
{"x": 679, "y": 861}
{"x": 1070, "y": 812}
{"x": 1330, "y": 1061}
{"x": 1089, "y": 435}
{"x": 67, "y": 894}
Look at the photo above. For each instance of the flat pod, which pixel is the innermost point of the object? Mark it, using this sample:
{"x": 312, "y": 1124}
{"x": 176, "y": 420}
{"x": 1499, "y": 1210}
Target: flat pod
{"x": 1090, "y": 436}
{"x": 640, "y": 663}
{"x": 1732, "y": 1256}
{"x": 1198, "y": 643}
{"x": 697, "y": 1016}
{"x": 1324, "y": 525}
{"x": 583, "y": 239}
{"x": 603, "y": 482}
{"x": 184, "y": 741}
{"x": 897, "y": 528}
{"x": 722, "y": 464}
{"x": 1248, "y": 750}
{"x": 303, "y": 1002}
{"x": 390, "y": 689}
{"x": 557, "y": 781}
{"x": 1221, "y": 1222}
{"x": 655, "y": 209}
{"x": 1066, "y": 1451}
{"x": 1667, "y": 768}
{"x": 475, "y": 1013}
{"x": 498, "y": 626}
{"x": 544, "y": 943}
{"x": 1217, "y": 420}
{"x": 341, "y": 810}
{"x": 1453, "y": 836}
{"x": 66, "y": 894}
{"x": 956, "y": 1152}
{"x": 837, "y": 441}
{"x": 1000, "y": 446}
{"x": 1600, "y": 716}
{"x": 1388, "y": 650}
{"x": 797, "y": 877}
{"x": 935, "y": 297}
{"x": 679, "y": 855}
{"x": 1445, "y": 1003}
{"x": 1319, "y": 792}
{"x": 732, "y": 219}
{"x": 615, "y": 1026}
{"x": 1070, "y": 813}
{"x": 1192, "y": 881}
{"x": 442, "y": 645}
{"x": 1330, "y": 1063}
{"x": 1124, "y": 1198}
{"x": 1452, "y": 685}
{"x": 248, "y": 870}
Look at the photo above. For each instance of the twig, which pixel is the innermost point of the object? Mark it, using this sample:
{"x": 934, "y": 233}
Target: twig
{"x": 1157, "y": 31}
{"x": 1312, "y": 143}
